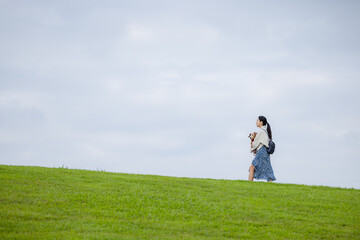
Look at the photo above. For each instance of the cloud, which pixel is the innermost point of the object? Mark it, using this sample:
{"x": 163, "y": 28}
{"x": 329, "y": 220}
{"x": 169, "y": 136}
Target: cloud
{"x": 138, "y": 33}
{"x": 171, "y": 34}
{"x": 20, "y": 99}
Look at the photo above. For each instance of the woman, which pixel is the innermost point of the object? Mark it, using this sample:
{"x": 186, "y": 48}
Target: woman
{"x": 261, "y": 166}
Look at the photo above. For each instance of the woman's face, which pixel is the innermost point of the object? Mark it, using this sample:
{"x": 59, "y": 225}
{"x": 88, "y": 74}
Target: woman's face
{"x": 258, "y": 123}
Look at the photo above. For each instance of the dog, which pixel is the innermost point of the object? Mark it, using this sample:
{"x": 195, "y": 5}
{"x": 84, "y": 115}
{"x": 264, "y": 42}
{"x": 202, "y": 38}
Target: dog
{"x": 252, "y": 137}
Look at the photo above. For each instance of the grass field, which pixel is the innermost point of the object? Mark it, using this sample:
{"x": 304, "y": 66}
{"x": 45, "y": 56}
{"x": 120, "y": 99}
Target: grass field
{"x": 59, "y": 203}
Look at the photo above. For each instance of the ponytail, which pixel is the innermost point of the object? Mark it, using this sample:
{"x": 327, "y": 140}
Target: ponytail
{"x": 269, "y": 130}
{"x": 265, "y": 122}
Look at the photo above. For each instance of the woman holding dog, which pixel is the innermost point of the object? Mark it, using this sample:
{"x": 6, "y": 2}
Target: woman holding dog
{"x": 261, "y": 165}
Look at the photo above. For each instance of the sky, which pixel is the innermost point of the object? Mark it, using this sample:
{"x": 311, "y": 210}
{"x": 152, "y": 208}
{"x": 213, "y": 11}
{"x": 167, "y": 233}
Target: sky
{"x": 174, "y": 88}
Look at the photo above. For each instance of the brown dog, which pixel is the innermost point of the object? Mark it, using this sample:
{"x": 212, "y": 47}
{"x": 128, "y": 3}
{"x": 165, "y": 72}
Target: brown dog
{"x": 252, "y": 137}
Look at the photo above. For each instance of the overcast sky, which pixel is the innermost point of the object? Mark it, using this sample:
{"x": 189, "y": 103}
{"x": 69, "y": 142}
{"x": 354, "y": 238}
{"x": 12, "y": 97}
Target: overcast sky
{"x": 174, "y": 87}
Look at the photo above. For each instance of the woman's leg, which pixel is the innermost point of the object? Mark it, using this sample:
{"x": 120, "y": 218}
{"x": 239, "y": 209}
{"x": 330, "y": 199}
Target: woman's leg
{"x": 251, "y": 173}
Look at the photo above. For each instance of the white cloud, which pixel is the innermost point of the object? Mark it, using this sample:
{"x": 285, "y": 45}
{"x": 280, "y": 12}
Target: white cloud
{"x": 140, "y": 33}
{"x": 20, "y": 100}
{"x": 171, "y": 34}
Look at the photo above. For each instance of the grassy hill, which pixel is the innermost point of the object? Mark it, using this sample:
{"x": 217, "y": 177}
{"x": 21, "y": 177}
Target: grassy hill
{"x": 58, "y": 203}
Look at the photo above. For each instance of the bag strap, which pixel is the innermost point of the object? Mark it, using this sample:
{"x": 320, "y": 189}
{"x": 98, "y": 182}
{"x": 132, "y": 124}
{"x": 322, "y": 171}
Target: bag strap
{"x": 267, "y": 133}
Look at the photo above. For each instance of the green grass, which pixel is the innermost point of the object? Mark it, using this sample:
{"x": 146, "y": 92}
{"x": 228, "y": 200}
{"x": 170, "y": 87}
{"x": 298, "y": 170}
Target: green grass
{"x": 59, "y": 203}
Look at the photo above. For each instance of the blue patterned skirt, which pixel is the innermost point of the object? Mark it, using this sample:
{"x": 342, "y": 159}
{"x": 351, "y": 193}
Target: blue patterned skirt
{"x": 262, "y": 164}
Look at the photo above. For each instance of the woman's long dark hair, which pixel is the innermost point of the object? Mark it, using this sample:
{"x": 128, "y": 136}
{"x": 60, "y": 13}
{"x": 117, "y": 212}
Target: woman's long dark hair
{"x": 265, "y": 122}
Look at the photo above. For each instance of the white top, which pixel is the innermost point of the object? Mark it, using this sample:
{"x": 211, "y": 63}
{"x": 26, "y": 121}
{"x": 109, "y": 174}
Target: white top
{"x": 260, "y": 140}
